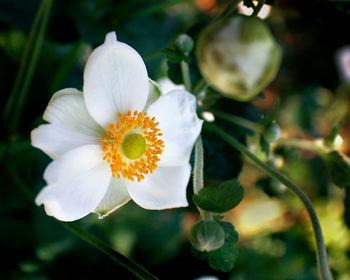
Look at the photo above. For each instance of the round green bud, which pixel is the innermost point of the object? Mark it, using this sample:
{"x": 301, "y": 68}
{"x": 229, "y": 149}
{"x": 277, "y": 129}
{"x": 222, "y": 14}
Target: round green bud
{"x": 238, "y": 56}
{"x": 272, "y": 132}
{"x": 207, "y": 236}
{"x": 184, "y": 43}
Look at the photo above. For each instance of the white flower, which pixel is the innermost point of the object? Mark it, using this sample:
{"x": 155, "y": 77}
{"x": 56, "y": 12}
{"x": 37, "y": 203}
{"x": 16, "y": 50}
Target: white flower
{"x": 106, "y": 149}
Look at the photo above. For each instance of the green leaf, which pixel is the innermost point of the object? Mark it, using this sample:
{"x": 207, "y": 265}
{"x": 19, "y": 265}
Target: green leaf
{"x": 174, "y": 73}
{"x": 338, "y": 166}
{"x": 220, "y": 199}
{"x": 175, "y": 56}
{"x": 225, "y": 257}
{"x": 270, "y": 116}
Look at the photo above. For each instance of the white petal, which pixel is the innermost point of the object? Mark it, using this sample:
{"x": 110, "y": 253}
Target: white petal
{"x": 164, "y": 188}
{"x": 70, "y": 126}
{"x": 78, "y": 183}
{"x": 67, "y": 108}
{"x": 115, "y": 80}
{"x": 55, "y": 140}
{"x": 116, "y": 196}
{"x": 178, "y": 121}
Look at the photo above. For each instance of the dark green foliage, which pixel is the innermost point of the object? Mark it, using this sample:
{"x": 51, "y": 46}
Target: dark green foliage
{"x": 339, "y": 168}
{"x": 225, "y": 257}
{"x": 220, "y": 199}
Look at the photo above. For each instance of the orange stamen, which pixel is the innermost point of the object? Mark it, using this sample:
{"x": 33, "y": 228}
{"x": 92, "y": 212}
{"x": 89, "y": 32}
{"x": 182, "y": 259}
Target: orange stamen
{"x": 145, "y": 164}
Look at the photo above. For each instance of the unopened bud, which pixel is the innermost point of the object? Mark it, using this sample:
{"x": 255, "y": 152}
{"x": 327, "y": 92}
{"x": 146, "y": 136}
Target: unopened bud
{"x": 207, "y": 236}
{"x": 184, "y": 43}
{"x": 238, "y": 56}
{"x": 272, "y": 132}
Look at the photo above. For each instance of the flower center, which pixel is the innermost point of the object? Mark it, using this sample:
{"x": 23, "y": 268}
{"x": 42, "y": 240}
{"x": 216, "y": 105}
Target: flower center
{"x": 132, "y": 146}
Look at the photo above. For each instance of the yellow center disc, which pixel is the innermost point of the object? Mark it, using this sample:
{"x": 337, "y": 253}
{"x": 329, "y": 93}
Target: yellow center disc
{"x": 133, "y": 145}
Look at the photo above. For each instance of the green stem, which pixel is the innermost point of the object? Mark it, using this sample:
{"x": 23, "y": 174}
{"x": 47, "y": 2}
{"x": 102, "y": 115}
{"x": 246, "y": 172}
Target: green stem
{"x": 23, "y": 63}
{"x": 186, "y": 75}
{"x": 32, "y": 65}
{"x": 202, "y": 85}
{"x": 198, "y": 181}
{"x": 153, "y": 55}
{"x": 258, "y": 8}
{"x": 136, "y": 269}
{"x": 322, "y": 261}
{"x": 198, "y": 166}
{"x": 304, "y": 144}
{"x": 255, "y": 127}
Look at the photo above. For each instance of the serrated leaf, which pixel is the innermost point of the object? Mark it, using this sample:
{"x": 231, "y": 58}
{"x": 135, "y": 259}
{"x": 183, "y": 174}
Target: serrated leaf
{"x": 338, "y": 166}
{"x": 225, "y": 257}
{"x": 270, "y": 116}
{"x": 220, "y": 199}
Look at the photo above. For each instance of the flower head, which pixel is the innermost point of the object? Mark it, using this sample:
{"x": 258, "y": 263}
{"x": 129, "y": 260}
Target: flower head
{"x": 116, "y": 141}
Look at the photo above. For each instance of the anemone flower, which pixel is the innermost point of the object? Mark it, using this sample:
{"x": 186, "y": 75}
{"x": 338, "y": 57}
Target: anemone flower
{"x": 116, "y": 141}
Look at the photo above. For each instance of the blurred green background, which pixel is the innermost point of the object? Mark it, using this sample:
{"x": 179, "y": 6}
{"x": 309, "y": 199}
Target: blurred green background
{"x": 276, "y": 240}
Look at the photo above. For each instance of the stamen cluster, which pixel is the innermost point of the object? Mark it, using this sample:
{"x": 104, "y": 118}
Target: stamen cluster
{"x": 119, "y": 163}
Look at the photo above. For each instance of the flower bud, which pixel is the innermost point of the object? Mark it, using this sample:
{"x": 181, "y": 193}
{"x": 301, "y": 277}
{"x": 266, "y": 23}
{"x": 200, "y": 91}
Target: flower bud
{"x": 184, "y": 43}
{"x": 238, "y": 56}
{"x": 272, "y": 132}
{"x": 207, "y": 236}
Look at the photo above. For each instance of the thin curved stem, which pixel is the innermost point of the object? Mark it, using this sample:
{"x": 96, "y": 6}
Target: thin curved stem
{"x": 186, "y": 75}
{"x": 322, "y": 261}
{"x": 255, "y": 127}
{"x": 134, "y": 268}
{"x": 23, "y": 63}
{"x": 32, "y": 65}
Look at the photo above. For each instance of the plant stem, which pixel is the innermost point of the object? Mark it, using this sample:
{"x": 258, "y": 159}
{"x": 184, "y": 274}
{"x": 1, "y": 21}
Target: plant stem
{"x": 32, "y": 65}
{"x": 258, "y": 8}
{"x": 23, "y": 62}
{"x": 136, "y": 269}
{"x": 322, "y": 261}
{"x": 152, "y": 55}
{"x": 198, "y": 182}
{"x": 202, "y": 85}
{"x": 198, "y": 166}
{"x": 304, "y": 144}
{"x": 255, "y": 127}
{"x": 186, "y": 75}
